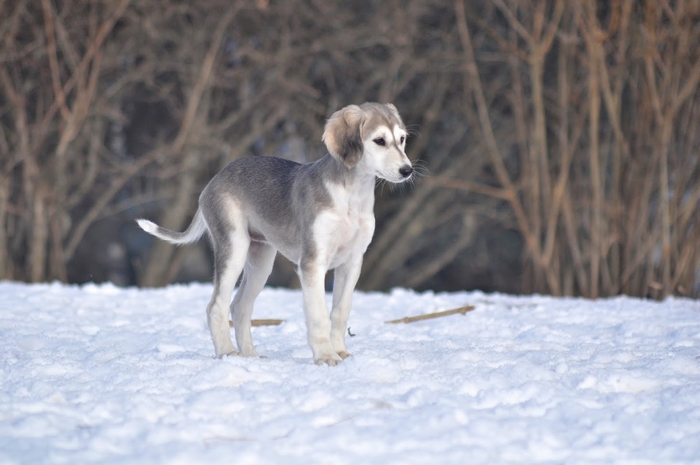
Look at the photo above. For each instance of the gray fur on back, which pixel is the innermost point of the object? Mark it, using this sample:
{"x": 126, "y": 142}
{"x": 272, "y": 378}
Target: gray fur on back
{"x": 282, "y": 198}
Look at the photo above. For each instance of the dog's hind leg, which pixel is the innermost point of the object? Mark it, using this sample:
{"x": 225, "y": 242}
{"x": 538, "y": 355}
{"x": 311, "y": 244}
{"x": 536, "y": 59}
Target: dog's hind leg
{"x": 257, "y": 268}
{"x": 230, "y": 252}
{"x": 344, "y": 280}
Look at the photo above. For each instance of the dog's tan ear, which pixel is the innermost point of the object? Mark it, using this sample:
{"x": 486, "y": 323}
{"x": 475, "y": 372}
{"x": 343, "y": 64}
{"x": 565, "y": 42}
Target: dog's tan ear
{"x": 343, "y": 135}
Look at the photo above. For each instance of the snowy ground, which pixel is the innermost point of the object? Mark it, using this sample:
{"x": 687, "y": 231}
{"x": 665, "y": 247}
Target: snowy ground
{"x": 100, "y": 374}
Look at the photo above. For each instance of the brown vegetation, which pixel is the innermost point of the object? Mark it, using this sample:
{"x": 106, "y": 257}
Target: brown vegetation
{"x": 562, "y": 137}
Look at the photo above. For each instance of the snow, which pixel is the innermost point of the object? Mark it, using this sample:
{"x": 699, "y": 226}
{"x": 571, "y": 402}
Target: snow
{"x": 101, "y": 374}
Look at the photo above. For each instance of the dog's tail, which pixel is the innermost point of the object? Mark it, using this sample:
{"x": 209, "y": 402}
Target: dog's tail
{"x": 194, "y": 230}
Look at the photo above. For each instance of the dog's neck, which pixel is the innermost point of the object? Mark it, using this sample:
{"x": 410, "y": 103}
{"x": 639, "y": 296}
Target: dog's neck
{"x": 356, "y": 179}
{"x": 360, "y": 183}
{"x": 356, "y": 183}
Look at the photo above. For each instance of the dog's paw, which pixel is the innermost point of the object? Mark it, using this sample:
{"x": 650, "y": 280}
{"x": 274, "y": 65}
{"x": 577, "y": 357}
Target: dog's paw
{"x": 233, "y": 353}
{"x": 331, "y": 359}
{"x": 249, "y": 353}
{"x": 344, "y": 354}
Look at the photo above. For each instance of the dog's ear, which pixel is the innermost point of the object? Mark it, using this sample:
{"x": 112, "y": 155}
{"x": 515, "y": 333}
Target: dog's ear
{"x": 343, "y": 135}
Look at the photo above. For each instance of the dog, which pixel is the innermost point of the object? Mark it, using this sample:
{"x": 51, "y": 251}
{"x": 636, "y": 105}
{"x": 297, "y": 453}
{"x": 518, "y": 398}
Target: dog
{"x": 319, "y": 215}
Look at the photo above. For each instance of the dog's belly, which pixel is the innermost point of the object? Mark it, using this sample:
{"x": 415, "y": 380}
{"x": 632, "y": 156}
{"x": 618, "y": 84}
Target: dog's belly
{"x": 334, "y": 239}
{"x": 279, "y": 239}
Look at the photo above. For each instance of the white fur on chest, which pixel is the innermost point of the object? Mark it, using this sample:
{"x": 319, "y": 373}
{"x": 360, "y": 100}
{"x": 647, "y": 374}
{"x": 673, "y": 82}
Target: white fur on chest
{"x": 344, "y": 231}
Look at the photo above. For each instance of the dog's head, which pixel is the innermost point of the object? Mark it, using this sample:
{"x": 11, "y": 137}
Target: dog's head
{"x": 372, "y": 137}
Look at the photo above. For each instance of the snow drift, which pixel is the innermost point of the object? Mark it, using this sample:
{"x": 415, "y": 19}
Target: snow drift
{"x": 110, "y": 375}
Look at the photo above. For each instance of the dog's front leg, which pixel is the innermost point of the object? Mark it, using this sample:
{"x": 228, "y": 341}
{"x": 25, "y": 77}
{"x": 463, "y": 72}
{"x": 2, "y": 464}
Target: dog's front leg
{"x": 344, "y": 281}
{"x": 318, "y": 323}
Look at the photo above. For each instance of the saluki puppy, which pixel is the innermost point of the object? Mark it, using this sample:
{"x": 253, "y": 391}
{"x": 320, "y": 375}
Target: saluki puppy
{"x": 319, "y": 215}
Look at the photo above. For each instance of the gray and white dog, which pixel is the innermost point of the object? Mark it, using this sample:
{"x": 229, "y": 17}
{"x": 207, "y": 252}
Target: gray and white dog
{"x": 319, "y": 215}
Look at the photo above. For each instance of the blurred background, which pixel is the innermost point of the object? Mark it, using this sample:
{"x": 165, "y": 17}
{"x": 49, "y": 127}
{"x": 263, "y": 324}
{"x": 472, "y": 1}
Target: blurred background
{"x": 561, "y": 138}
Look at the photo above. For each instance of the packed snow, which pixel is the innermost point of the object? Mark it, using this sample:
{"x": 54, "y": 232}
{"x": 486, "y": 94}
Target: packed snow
{"x": 101, "y": 374}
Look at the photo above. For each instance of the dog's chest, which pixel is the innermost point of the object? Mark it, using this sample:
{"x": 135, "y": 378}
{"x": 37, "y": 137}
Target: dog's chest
{"x": 349, "y": 237}
{"x": 346, "y": 229}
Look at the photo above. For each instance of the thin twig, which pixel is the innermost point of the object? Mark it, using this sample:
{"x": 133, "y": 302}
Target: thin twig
{"x": 428, "y": 316}
{"x": 262, "y": 322}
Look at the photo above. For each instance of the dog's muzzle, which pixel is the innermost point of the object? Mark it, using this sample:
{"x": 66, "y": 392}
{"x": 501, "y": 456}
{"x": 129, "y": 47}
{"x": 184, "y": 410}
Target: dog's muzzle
{"x": 406, "y": 171}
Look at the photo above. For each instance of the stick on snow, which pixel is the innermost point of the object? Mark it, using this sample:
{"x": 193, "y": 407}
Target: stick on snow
{"x": 262, "y": 322}
{"x": 411, "y": 319}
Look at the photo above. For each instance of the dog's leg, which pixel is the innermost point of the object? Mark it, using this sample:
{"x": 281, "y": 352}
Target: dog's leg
{"x": 258, "y": 267}
{"x": 318, "y": 323}
{"x": 229, "y": 255}
{"x": 344, "y": 281}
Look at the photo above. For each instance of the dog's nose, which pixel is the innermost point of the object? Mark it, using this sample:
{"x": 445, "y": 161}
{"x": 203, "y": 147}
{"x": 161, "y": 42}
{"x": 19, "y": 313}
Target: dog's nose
{"x": 406, "y": 171}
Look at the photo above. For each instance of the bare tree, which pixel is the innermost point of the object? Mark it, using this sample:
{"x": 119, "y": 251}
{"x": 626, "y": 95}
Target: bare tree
{"x": 588, "y": 227}
{"x": 558, "y": 135}
{"x": 47, "y": 163}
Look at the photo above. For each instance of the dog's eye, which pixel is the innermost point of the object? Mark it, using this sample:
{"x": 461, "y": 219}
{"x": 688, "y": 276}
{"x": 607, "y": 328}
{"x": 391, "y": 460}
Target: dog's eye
{"x": 402, "y": 139}
{"x": 379, "y": 141}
